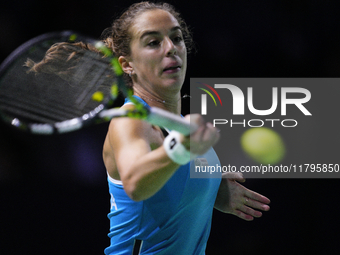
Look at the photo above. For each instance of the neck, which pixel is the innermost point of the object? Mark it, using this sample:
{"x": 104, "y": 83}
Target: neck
{"x": 170, "y": 101}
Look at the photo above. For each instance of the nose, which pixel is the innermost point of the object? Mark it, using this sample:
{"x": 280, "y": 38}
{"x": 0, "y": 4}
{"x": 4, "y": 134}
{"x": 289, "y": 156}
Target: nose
{"x": 170, "y": 47}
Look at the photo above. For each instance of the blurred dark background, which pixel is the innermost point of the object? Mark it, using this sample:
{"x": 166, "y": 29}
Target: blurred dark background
{"x": 53, "y": 190}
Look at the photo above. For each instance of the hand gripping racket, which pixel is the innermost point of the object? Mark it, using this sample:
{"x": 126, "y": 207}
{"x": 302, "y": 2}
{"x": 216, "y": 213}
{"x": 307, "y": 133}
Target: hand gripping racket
{"x": 54, "y": 84}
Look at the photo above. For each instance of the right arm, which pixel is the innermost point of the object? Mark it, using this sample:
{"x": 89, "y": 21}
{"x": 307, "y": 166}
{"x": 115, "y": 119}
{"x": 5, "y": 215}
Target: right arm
{"x": 142, "y": 170}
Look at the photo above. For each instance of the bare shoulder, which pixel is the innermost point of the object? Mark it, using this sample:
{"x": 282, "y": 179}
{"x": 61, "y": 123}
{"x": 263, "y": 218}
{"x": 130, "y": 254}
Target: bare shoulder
{"x": 124, "y": 133}
{"x": 128, "y": 128}
{"x": 128, "y": 138}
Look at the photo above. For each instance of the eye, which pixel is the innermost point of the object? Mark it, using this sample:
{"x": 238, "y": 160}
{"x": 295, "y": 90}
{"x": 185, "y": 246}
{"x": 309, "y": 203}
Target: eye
{"x": 177, "y": 39}
{"x": 153, "y": 43}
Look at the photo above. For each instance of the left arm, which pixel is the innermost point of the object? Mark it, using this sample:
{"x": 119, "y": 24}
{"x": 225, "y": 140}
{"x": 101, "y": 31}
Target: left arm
{"x": 234, "y": 198}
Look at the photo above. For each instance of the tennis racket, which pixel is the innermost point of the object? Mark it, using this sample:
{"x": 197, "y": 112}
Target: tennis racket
{"x": 74, "y": 86}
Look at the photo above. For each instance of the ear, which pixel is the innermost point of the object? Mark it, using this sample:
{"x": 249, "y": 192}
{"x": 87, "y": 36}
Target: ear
{"x": 125, "y": 64}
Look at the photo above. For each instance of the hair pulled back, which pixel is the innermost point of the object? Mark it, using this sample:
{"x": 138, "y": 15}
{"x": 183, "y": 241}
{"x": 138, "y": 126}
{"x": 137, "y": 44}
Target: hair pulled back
{"x": 118, "y": 38}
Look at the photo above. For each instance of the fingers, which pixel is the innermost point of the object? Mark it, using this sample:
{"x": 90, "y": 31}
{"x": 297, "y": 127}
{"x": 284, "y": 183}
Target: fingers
{"x": 195, "y": 118}
{"x": 203, "y": 138}
{"x": 256, "y": 200}
{"x": 243, "y": 215}
{"x": 206, "y": 132}
{"x": 210, "y": 133}
{"x": 234, "y": 176}
{"x": 250, "y": 205}
{"x": 251, "y": 198}
{"x": 247, "y": 210}
{"x": 247, "y": 213}
{"x": 256, "y": 205}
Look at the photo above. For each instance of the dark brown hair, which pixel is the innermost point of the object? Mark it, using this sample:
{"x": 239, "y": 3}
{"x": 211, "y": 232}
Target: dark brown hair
{"x": 118, "y": 38}
{"x": 59, "y": 54}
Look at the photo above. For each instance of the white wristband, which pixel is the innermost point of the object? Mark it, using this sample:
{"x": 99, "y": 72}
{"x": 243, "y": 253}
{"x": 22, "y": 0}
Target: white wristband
{"x": 175, "y": 150}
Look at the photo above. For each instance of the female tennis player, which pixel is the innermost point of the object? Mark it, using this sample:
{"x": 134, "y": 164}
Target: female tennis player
{"x": 153, "y": 198}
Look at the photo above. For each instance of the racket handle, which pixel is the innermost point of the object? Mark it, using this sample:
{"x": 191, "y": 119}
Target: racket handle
{"x": 160, "y": 117}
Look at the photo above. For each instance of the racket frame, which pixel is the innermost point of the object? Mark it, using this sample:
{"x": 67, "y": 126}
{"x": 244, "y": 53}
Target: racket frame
{"x": 101, "y": 113}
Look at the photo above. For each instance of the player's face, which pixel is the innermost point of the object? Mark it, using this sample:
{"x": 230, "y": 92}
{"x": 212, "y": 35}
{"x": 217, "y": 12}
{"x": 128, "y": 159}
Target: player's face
{"x": 158, "y": 52}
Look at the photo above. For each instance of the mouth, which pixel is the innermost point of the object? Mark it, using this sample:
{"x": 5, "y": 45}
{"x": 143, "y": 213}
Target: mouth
{"x": 172, "y": 69}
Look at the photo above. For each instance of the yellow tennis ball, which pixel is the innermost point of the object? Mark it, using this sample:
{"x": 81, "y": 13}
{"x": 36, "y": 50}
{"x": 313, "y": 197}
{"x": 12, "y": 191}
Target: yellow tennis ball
{"x": 263, "y": 145}
{"x": 98, "y": 96}
{"x": 72, "y": 37}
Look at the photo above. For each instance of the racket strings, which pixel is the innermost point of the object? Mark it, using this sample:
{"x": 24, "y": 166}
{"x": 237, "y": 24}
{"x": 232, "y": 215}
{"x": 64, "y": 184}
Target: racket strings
{"x": 49, "y": 98}
{"x": 36, "y": 109}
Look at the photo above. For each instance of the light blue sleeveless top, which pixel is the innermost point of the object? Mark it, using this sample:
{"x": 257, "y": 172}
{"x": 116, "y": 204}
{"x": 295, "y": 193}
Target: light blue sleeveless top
{"x": 176, "y": 220}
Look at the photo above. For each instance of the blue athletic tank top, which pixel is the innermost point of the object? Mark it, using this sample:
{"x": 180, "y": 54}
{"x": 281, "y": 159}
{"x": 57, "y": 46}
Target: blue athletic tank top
{"x": 176, "y": 220}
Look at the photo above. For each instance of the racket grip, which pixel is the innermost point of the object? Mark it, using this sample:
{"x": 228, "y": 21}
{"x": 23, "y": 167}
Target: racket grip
{"x": 160, "y": 117}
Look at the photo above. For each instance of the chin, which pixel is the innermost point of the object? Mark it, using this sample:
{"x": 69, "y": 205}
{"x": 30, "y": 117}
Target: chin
{"x": 175, "y": 84}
